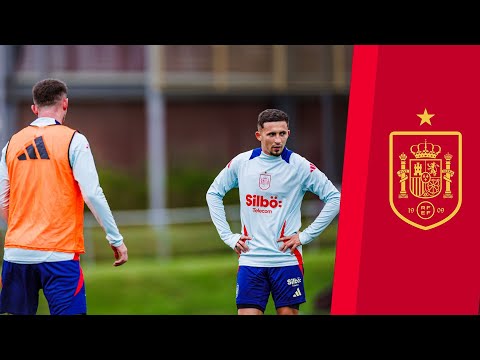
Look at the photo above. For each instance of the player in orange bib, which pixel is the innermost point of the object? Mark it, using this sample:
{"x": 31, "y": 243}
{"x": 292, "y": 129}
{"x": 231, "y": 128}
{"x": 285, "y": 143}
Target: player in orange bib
{"x": 47, "y": 173}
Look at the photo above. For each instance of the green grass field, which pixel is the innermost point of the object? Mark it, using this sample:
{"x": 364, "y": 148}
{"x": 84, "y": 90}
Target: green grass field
{"x": 197, "y": 278}
{"x": 178, "y": 240}
{"x": 201, "y": 285}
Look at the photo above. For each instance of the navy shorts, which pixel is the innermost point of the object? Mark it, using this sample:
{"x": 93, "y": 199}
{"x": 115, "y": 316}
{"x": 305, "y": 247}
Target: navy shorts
{"x": 255, "y": 284}
{"x": 61, "y": 281}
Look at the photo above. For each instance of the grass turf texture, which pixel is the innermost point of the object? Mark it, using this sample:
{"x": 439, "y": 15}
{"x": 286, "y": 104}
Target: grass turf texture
{"x": 200, "y": 285}
{"x": 198, "y": 278}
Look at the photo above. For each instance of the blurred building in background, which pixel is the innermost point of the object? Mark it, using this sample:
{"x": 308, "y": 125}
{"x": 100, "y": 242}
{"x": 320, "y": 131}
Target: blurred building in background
{"x": 165, "y": 119}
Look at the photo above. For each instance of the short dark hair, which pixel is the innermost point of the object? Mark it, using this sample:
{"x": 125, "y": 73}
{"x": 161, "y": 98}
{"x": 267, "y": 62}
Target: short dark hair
{"x": 269, "y": 115}
{"x": 48, "y": 92}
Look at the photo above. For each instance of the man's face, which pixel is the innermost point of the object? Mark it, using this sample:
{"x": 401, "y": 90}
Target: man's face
{"x": 273, "y": 137}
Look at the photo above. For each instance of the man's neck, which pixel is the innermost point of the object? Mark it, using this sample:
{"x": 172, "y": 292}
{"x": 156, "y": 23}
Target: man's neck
{"x": 51, "y": 114}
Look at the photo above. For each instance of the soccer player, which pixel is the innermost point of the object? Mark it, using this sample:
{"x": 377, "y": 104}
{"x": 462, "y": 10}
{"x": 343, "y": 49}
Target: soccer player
{"x": 272, "y": 181}
{"x": 47, "y": 173}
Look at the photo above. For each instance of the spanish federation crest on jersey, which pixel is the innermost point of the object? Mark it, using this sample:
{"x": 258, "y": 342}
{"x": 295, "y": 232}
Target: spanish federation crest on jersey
{"x": 425, "y": 169}
{"x": 264, "y": 181}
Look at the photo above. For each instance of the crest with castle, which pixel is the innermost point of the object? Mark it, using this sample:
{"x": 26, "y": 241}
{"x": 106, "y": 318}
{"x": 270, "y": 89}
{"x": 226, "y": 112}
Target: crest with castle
{"x": 425, "y": 174}
{"x": 425, "y": 170}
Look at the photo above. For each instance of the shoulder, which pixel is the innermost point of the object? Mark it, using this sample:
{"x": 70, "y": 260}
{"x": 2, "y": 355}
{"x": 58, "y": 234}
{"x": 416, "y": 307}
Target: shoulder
{"x": 62, "y": 131}
{"x": 63, "y": 128}
{"x": 21, "y": 131}
{"x": 303, "y": 163}
{"x": 79, "y": 141}
{"x": 79, "y": 136}
{"x": 244, "y": 156}
{"x": 297, "y": 159}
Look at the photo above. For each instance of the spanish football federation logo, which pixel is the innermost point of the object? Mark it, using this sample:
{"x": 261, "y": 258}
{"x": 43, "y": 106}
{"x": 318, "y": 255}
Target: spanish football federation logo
{"x": 264, "y": 181}
{"x": 425, "y": 175}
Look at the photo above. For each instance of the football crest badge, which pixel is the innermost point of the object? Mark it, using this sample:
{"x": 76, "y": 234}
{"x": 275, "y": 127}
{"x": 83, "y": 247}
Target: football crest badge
{"x": 264, "y": 181}
{"x": 425, "y": 173}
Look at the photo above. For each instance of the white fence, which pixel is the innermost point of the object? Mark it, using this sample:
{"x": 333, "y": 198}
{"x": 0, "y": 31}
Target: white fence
{"x": 187, "y": 215}
{"x": 161, "y": 219}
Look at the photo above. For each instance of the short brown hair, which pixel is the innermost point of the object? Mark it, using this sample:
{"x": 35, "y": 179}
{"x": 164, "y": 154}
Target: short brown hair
{"x": 48, "y": 92}
{"x": 269, "y": 115}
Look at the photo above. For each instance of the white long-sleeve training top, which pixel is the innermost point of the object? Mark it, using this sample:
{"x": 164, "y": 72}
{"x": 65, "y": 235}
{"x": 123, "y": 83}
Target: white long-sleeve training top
{"x": 271, "y": 190}
{"x": 85, "y": 173}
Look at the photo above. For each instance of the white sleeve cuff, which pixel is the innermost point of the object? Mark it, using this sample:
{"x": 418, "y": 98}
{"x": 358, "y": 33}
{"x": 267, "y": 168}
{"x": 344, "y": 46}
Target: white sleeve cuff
{"x": 232, "y": 240}
{"x": 304, "y": 238}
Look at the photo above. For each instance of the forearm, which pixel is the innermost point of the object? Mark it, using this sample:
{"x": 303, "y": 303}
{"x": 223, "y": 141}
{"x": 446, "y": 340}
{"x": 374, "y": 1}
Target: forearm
{"x": 321, "y": 222}
{"x": 85, "y": 173}
{"x": 4, "y": 201}
{"x": 98, "y": 205}
{"x": 4, "y": 187}
{"x": 219, "y": 219}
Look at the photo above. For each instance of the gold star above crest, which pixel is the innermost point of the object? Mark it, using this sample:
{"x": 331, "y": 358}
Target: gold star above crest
{"x": 425, "y": 117}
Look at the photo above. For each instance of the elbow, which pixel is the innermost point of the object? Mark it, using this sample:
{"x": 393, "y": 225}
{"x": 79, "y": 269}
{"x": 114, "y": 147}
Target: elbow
{"x": 92, "y": 194}
{"x": 334, "y": 198}
{"x": 210, "y": 196}
{"x": 333, "y": 202}
{"x": 90, "y": 197}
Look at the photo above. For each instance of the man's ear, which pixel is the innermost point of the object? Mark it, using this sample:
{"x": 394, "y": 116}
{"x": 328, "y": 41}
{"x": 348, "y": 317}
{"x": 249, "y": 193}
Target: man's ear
{"x": 258, "y": 135}
{"x": 65, "y": 104}
{"x": 34, "y": 109}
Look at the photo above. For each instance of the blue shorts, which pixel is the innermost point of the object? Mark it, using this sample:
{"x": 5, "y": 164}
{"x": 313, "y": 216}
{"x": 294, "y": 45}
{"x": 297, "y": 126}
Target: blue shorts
{"x": 255, "y": 284}
{"x": 61, "y": 281}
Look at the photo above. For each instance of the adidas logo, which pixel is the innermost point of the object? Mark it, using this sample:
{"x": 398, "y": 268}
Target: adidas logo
{"x": 32, "y": 154}
{"x": 297, "y": 293}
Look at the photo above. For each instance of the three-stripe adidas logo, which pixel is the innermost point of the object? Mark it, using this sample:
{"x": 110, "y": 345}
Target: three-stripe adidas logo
{"x": 32, "y": 154}
{"x": 297, "y": 293}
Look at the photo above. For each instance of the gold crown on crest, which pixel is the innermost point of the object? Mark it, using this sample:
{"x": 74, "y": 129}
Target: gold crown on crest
{"x": 425, "y": 150}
